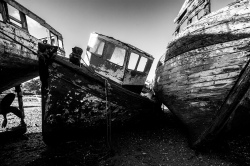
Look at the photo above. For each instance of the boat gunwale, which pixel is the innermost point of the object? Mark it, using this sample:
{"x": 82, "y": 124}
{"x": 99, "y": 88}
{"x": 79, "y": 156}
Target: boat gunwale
{"x": 96, "y": 76}
{"x": 188, "y": 49}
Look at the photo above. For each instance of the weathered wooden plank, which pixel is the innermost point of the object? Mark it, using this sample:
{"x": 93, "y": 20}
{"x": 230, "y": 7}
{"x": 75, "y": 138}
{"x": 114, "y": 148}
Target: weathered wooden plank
{"x": 189, "y": 81}
{"x": 177, "y": 87}
{"x": 193, "y": 71}
{"x": 204, "y": 59}
{"x": 205, "y": 70}
{"x": 216, "y": 71}
{"x": 206, "y": 53}
{"x": 168, "y": 79}
{"x": 202, "y": 40}
{"x": 192, "y": 90}
{"x": 8, "y": 31}
{"x": 215, "y": 18}
{"x": 190, "y": 94}
{"x": 234, "y": 23}
{"x": 218, "y": 49}
{"x": 211, "y": 23}
{"x": 213, "y": 77}
{"x": 189, "y": 89}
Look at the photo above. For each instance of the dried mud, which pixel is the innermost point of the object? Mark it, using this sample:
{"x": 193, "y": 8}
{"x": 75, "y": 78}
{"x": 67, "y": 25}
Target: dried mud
{"x": 152, "y": 143}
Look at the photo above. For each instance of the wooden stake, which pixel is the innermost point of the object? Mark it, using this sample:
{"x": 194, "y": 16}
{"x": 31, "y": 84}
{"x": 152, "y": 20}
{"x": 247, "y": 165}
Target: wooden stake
{"x": 20, "y": 101}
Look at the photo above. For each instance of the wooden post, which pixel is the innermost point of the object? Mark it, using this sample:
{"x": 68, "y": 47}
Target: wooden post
{"x": 20, "y": 102}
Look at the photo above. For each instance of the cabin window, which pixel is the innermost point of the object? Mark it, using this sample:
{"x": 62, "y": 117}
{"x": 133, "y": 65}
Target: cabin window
{"x": 16, "y": 17}
{"x": 96, "y": 46}
{"x": 133, "y": 61}
{"x": 118, "y": 56}
{"x": 1, "y": 12}
{"x": 54, "y": 41}
{"x": 37, "y": 30}
{"x": 60, "y": 43}
{"x": 142, "y": 64}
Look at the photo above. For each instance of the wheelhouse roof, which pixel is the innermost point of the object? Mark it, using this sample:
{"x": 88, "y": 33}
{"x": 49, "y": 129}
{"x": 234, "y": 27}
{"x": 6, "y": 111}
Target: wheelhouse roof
{"x": 118, "y": 42}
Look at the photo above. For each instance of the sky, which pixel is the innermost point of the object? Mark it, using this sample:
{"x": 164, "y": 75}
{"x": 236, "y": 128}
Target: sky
{"x": 146, "y": 24}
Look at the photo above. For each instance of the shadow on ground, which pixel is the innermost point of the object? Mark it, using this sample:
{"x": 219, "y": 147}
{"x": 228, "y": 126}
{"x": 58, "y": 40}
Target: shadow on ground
{"x": 161, "y": 142}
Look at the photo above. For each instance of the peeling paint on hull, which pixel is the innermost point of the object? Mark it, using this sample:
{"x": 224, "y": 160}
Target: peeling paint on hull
{"x": 73, "y": 98}
{"x": 203, "y": 78}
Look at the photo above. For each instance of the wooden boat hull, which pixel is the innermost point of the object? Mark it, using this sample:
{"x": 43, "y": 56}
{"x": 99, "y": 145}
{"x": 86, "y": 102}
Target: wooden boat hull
{"x": 19, "y": 42}
{"x": 17, "y": 64}
{"x": 16, "y": 69}
{"x": 74, "y": 100}
{"x": 204, "y": 71}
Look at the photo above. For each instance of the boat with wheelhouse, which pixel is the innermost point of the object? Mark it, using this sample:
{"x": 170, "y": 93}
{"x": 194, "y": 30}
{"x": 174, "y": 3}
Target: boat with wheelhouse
{"x": 103, "y": 90}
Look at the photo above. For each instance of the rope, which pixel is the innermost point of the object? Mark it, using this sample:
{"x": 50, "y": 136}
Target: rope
{"x": 108, "y": 111}
{"x": 108, "y": 115}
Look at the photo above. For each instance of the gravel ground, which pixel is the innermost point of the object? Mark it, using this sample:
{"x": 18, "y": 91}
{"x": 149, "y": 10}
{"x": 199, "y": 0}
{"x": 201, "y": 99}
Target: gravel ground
{"x": 148, "y": 143}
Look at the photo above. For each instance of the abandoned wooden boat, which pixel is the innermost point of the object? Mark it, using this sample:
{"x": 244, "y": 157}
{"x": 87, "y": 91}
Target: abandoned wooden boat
{"x": 20, "y": 32}
{"x": 75, "y": 98}
{"x": 203, "y": 78}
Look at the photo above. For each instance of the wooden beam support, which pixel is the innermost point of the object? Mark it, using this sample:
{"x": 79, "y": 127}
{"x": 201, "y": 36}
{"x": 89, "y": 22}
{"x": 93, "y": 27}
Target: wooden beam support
{"x": 20, "y": 102}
